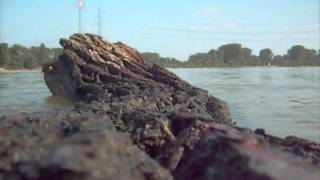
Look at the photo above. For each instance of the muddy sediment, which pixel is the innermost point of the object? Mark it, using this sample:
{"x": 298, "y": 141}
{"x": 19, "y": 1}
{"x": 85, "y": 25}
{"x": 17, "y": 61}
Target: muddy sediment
{"x": 136, "y": 120}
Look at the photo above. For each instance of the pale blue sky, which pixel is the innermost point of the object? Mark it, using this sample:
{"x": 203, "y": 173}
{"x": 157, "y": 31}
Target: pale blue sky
{"x": 174, "y": 28}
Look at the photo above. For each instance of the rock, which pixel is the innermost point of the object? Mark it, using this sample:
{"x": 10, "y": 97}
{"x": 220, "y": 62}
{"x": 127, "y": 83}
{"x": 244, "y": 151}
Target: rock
{"x": 227, "y": 153}
{"x": 136, "y": 120}
{"x": 108, "y": 155}
{"x": 60, "y": 84}
{"x": 308, "y": 150}
{"x": 92, "y": 70}
{"x": 69, "y": 145}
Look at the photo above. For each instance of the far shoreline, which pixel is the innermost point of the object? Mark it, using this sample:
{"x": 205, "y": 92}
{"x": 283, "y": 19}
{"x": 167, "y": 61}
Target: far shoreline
{"x": 3, "y": 70}
{"x": 39, "y": 69}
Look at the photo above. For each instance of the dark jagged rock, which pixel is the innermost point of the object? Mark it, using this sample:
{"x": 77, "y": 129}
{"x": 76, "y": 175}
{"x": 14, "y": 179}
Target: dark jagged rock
{"x": 308, "y": 150}
{"x": 228, "y": 153}
{"x": 127, "y": 110}
{"x": 117, "y": 76}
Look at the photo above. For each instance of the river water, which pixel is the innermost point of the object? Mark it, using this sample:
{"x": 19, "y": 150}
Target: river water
{"x": 27, "y": 92}
{"x": 283, "y": 101}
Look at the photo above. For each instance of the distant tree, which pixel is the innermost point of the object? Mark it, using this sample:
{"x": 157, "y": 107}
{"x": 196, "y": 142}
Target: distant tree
{"x": 164, "y": 62}
{"x": 4, "y": 54}
{"x": 316, "y": 61}
{"x": 311, "y": 58}
{"x": 297, "y": 55}
{"x": 265, "y": 56}
{"x": 199, "y": 59}
{"x": 30, "y": 61}
{"x": 215, "y": 58}
{"x": 43, "y": 54}
{"x": 35, "y": 51}
{"x": 276, "y": 60}
{"x": 230, "y": 53}
{"x": 236, "y": 55}
{"x": 153, "y": 57}
{"x": 246, "y": 58}
{"x": 17, "y": 54}
{"x": 54, "y": 53}
{"x": 170, "y": 62}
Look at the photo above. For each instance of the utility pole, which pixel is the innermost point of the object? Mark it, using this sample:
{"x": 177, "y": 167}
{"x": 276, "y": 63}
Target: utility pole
{"x": 80, "y": 8}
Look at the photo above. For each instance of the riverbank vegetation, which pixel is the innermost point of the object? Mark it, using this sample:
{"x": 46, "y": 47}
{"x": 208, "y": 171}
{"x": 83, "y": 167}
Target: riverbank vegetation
{"x": 234, "y": 55}
{"x": 229, "y": 55}
{"x": 20, "y": 57}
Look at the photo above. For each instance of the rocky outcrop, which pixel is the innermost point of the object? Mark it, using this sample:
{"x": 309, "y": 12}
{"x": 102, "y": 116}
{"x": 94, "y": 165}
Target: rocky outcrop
{"x": 116, "y": 78}
{"x": 136, "y": 120}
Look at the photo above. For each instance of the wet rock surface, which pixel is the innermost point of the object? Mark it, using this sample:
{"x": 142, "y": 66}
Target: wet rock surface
{"x": 136, "y": 120}
{"x": 70, "y": 145}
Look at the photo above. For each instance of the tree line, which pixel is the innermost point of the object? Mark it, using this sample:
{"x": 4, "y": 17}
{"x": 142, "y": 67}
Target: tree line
{"x": 20, "y": 57}
{"x": 229, "y": 55}
{"x": 234, "y": 55}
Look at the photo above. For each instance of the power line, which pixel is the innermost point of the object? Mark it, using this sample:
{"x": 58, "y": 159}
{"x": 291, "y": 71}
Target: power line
{"x": 174, "y": 20}
{"x": 204, "y": 31}
{"x": 193, "y": 36}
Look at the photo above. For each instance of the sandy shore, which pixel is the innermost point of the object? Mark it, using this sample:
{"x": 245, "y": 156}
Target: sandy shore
{"x": 3, "y": 70}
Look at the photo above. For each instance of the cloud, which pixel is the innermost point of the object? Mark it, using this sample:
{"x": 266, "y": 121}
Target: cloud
{"x": 208, "y": 11}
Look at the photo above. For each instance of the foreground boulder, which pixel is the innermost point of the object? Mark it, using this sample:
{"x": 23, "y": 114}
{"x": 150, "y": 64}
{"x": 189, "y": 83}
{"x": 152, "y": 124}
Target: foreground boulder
{"x": 70, "y": 145}
{"x": 136, "y": 120}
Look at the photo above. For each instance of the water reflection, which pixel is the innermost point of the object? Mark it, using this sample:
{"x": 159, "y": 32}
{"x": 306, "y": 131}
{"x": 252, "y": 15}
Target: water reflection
{"x": 59, "y": 102}
{"x": 27, "y": 92}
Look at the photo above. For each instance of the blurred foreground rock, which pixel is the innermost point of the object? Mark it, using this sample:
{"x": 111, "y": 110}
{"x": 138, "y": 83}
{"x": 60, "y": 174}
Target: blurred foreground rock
{"x": 136, "y": 120}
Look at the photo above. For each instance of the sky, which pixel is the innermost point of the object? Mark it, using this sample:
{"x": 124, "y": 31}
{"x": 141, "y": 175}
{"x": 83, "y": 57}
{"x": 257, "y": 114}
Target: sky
{"x": 173, "y": 28}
